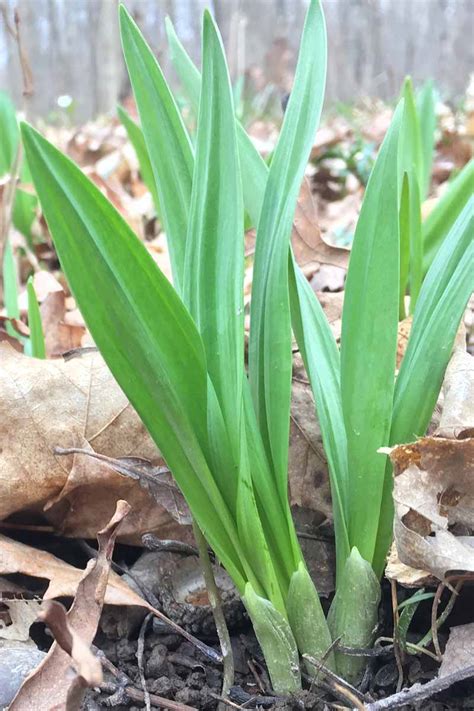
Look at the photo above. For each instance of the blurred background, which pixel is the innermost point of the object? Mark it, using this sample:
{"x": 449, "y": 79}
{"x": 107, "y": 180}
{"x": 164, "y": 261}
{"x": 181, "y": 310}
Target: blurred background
{"x": 78, "y": 70}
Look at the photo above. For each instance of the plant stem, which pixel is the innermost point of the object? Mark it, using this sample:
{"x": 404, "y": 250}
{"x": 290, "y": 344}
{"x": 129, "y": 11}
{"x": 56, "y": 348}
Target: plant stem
{"x": 217, "y": 611}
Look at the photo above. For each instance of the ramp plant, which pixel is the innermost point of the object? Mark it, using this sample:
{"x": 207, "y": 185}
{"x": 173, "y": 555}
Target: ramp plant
{"x": 178, "y": 350}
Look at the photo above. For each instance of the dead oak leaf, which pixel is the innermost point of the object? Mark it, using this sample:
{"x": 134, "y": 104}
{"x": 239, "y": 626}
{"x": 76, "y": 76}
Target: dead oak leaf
{"x": 71, "y": 403}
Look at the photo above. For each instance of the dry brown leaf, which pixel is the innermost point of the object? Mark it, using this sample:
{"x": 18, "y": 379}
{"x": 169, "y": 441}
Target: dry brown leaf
{"x": 72, "y": 403}
{"x": 459, "y": 650}
{"x": 307, "y": 468}
{"x": 457, "y": 419}
{"x": 59, "y": 336}
{"x": 309, "y": 248}
{"x": 433, "y": 490}
{"x": 308, "y": 245}
{"x": 51, "y": 685}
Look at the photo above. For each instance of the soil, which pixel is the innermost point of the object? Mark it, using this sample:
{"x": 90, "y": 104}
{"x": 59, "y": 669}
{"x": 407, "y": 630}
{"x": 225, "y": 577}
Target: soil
{"x": 175, "y": 669}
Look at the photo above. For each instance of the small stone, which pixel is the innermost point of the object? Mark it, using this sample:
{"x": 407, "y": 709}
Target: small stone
{"x": 192, "y": 697}
{"x": 156, "y": 660}
{"x": 15, "y": 665}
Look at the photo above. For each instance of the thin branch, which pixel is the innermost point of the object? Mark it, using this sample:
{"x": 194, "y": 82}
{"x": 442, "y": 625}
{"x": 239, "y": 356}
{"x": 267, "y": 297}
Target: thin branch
{"x": 421, "y": 692}
{"x": 217, "y": 611}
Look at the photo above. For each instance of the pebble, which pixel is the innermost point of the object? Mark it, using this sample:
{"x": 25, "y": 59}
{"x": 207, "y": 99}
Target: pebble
{"x": 15, "y": 664}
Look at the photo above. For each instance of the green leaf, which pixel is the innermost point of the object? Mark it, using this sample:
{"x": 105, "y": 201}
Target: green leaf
{"x": 24, "y": 204}
{"x": 410, "y": 146}
{"x": 444, "y": 294}
{"x": 270, "y": 359}
{"x": 142, "y": 329}
{"x": 443, "y": 297}
{"x": 276, "y": 640}
{"x": 10, "y": 282}
{"x": 353, "y": 615}
{"x": 426, "y": 109}
{"x": 411, "y": 243}
{"x": 38, "y": 349}
{"x": 254, "y": 168}
{"x": 307, "y": 619}
{"x": 445, "y": 212}
{"x": 214, "y": 263}
{"x": 168, "y": 143}
{"x": 135, "y": 136}
{"x": 369, "y": 342}
{"x": 321, "y": 358}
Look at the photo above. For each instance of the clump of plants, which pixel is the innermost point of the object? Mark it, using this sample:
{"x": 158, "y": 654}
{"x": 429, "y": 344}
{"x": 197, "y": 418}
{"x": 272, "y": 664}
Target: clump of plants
{"x": 177, "y": 350}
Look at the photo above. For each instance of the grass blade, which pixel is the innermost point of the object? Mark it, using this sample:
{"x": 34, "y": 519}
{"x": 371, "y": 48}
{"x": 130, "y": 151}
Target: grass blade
{"x": 38, "y": 348}
{"x": 369, "y": 342}
{"x": 270, "y": 360}
{"x": 162, "y": 359}
{"x": 168, "y": 143}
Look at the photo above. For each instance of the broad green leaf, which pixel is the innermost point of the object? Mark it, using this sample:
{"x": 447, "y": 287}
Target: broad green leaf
{"x": 276, "y": 640}
{"x": 252, "y": 536}
{"x": 274, "y": 513}
{"x": 321, "y": 358}
{"x": 214, "y": 263}
{"x": 168, "y": 143}
{"x": 426, "y": 105}
{"x": 142, "y": 329}
{"x": 307, "y": 619}
{"x": 38, "y": 349}
{"x": 254, "y": 168}
{"x": 270, "y": 359}
{"x": 135, "y": 136}
{"x": 445, "y": 212}
{"x": 353, "y": 614}
{"x": 369, "y": 342}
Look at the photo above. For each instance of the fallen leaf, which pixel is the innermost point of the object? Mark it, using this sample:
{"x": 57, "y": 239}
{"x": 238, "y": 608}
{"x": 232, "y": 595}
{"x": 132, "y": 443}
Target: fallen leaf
{"x": 51, "y": 685}
{"x": 72, "y": 403}
{"x": 59, "y": 335}
{"x": 457, "y": 419}
{"x": 22, "y": 614}
{"x": 459, "y": 650}
{"x": 433, "y": 490}
{"x": 308, "y": 245}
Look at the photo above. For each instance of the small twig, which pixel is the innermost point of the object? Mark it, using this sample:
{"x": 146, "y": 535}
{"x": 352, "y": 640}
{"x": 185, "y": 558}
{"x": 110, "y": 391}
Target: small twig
{"x": 153, "y": 543}
{"x": 421, "y": 692}
{"x": 437, "y": 622}
{"x": 126, "y": 686}
{"x": 6, "y": 208}
{"x": 341, "y": 683}
{"x": 140, "y": 653}
{"x": 256, "y": 676}
{"x": 217, "y": 611}
{"x": 396, "y": 634}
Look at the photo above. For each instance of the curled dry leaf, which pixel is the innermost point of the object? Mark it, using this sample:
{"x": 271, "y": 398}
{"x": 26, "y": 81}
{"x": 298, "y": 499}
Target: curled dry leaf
{"x": 51, "y": 685}
{"x": 434, "y": 486}
{"x": 457, "y": 419}
{"x": 72, "y": 403}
